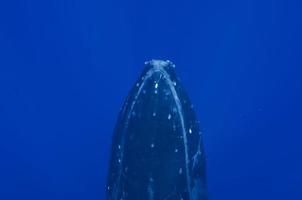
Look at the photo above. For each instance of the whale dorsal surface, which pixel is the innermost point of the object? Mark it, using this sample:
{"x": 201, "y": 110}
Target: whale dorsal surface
{"x": 157, "y": 151}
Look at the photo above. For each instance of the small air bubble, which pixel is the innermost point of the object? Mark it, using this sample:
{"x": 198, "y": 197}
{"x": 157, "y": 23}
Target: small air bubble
{"x": 152, "y": 145}
{"x": 190, "y": 131}
{"x": 176, "y": 150}
{"x": 169, "y": 116}
{"x": 180, "y": 171}
{"x": 156, "y": 85}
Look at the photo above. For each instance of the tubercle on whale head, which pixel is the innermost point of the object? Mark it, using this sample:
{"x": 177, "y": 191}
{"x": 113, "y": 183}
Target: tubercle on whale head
{"x": 163, "y": 68}
{"x": 157, "y": 64}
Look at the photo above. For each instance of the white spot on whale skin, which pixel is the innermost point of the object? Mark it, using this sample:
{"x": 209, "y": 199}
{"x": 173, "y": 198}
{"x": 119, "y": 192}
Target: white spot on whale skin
{"x": 152, "y": 145}
{"x": 176, "y": 150}
{"x": 156, "y": 85}
{"x": 169, "y": 116}
{"x": 154, "y": 114}
{"x": 190, "y": 131}
{"x": 174, "y": 110}
{"x": 180, "y": 171}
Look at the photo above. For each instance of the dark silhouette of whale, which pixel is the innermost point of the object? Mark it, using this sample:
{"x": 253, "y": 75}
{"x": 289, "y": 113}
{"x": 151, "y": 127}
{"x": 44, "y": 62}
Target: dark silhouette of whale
{"x": 157, "y": 151}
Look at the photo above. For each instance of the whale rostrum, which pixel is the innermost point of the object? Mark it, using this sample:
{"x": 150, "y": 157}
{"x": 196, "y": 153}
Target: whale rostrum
{"x": 157, "y": 148}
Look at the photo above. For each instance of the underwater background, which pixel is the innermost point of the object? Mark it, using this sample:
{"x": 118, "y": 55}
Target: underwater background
{"x": 66, "y": 67}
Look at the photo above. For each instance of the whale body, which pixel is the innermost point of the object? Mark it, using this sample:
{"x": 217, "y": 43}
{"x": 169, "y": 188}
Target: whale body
{"x": 157, "y": 148}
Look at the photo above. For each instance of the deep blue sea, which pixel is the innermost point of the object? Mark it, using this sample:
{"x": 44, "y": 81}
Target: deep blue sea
{"x": 66, "y": 67}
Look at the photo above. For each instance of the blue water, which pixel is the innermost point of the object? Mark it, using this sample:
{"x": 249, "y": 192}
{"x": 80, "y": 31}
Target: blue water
{"x": 66, "y": 67}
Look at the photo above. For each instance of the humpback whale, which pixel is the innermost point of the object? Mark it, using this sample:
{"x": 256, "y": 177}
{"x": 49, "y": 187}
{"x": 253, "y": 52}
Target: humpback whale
{"x": 157, "y": 149}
